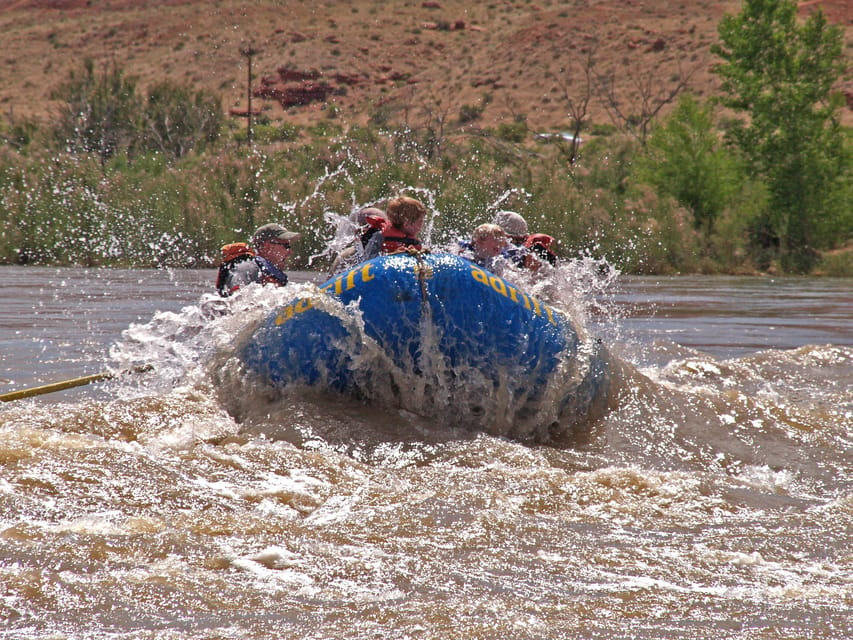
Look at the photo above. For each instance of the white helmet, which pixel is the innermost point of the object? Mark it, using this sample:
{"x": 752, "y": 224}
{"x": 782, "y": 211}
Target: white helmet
{"x": 359, "y": 216}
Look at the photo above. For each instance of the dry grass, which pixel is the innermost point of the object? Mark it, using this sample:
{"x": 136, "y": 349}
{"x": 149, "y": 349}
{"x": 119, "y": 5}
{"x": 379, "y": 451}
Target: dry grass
{"x": 517, "y": 56}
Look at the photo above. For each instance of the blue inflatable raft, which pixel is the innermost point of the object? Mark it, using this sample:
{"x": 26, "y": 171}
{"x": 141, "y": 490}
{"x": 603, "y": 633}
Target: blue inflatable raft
{"x": 439, "y": 336}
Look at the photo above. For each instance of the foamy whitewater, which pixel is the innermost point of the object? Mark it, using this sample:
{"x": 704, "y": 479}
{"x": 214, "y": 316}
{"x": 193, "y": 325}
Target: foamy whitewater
{"x": 712, "y": 498}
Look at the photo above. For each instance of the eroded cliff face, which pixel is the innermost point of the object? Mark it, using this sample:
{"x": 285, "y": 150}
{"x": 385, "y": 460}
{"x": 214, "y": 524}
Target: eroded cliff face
{"x": 504, "y": 58}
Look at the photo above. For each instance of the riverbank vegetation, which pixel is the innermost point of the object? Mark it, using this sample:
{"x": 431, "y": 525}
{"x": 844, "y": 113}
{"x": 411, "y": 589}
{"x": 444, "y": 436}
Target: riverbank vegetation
{"x": 758, "y": 181}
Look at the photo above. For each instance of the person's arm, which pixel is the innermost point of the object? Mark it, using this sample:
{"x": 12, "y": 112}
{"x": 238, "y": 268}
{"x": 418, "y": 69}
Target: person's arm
{"x": 244, "y": 273}
{"x": 374, "y": 246}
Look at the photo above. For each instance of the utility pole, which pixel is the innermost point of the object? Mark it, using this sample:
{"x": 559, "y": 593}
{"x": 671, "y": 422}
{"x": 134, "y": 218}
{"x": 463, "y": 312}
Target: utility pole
{"x": 247, "y": 51}
{"x": 251, "y": 198}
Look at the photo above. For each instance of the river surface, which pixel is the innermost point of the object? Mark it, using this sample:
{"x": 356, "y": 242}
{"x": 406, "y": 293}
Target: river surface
{"x": 712, "y": 499}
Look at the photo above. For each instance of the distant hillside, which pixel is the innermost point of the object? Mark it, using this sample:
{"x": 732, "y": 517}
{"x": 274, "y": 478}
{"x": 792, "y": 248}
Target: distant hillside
{"x": 491, "y": 61}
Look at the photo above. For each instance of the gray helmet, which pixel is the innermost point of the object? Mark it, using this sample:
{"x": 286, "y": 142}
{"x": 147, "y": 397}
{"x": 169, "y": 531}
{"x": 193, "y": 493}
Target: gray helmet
{"x": 512, "y": 223}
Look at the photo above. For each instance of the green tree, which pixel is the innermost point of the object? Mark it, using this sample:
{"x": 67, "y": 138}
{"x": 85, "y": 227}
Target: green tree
{"x": 779, "y": 74}
{"x": 686, "y": 160}
{"x": 176, "y": 120}
{"x": 99, "y": 112}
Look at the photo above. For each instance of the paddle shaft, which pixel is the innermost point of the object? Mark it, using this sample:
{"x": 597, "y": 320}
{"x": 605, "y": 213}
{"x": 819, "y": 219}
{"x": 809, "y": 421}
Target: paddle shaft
{"x": 62, "y": 385}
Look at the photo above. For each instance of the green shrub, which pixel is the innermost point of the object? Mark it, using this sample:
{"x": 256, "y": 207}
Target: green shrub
{"x": 18, "y": 133}
{"x": 98, "y": 113}
{"x": 268, "y": 133}
{"x": 469, "y": 113}
{"x": 513, "y": 131}
{"x": 603, "y": 129}
{"x": 102, "y": 113}
{"x": 837, "y": 264}
{"x": 685, "y": 159}
{"x": 177, "y": 120}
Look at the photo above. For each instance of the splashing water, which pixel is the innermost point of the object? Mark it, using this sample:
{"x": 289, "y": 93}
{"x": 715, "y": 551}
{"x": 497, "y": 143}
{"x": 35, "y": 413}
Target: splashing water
{"x": 199, "y": 345}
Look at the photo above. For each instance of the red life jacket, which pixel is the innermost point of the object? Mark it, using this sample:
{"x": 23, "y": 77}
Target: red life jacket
{"x": 231, "y": 252}
{"x": 231, "y": 255}
{"x": 540, "y": 245}
{"x": 394, "y": 240}
{"x": 237, "y": 252}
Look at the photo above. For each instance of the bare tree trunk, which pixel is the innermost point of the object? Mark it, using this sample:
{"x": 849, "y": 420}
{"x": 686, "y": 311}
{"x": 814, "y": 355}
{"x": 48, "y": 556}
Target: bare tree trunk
{"x": 578, "y": 96}
{"x": 650, "y": 95}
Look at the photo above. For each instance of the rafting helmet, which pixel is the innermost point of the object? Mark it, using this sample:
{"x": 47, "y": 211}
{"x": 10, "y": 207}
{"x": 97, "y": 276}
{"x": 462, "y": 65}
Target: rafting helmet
{"x": 512, "y": 223}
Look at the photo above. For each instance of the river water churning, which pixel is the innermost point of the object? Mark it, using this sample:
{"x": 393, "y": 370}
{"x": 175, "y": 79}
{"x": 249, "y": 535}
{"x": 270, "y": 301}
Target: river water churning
{"x": 714, "y": 499}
